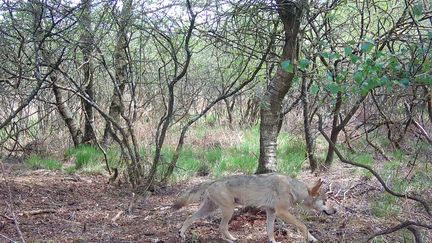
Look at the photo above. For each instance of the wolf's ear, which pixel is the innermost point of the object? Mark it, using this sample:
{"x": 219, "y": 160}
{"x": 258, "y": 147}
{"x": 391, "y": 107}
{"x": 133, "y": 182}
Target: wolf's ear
{"x": 314, "y": 190}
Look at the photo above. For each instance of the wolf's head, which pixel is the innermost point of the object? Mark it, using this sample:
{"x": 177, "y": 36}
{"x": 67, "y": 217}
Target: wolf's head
{"x": 318, "y": 201}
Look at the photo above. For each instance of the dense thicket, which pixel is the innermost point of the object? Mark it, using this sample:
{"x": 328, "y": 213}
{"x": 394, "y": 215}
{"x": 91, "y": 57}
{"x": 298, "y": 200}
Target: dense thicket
{"x": 99, "y": 72}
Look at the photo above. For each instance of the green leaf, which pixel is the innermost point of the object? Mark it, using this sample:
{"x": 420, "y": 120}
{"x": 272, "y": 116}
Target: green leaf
{"x": 314, "y": 89}
{"x": 366, "y": 46}
{"x": 418, "y": 9}
{"x": 354, "y": 58}
{"x": 358, "y": 77}
{"x": 348, "y": 51}
{"x": 287, "y": 66}
{"x": 430, "y": 35}
{"x": 326, "y": 55}
{"x": 304, "y": 64}
{"x": 404, "y": 82}
{"x": 333, "y": 88}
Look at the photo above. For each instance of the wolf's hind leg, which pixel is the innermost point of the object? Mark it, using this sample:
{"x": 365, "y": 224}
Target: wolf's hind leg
{"x": 227, "y": 213}
{"x": 207, "y": 207}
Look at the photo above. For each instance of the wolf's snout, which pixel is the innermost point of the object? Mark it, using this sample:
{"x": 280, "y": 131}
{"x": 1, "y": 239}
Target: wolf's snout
{"x": 329, "y": 211}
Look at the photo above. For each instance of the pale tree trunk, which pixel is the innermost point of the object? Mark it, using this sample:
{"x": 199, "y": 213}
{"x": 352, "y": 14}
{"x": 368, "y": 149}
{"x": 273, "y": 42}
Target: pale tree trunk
{"x": 290, "y": 14}
{"x": 121, "y": 64}
{"x": 87, "y": 49}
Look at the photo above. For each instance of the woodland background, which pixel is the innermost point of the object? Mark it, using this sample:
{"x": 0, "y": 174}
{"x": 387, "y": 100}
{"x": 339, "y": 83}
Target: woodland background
{"x": 147, "y": 94}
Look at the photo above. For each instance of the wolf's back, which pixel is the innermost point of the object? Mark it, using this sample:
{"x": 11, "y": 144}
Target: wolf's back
{"x": 190, "y": 196}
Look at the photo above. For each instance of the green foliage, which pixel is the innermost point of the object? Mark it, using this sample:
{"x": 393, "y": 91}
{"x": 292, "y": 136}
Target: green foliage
{"x": 367, "y": 46}
{"x": 385, "y": 206}
{"x": 304, "y": 64}
{"x": 37, "y": 162}
{"x": 210, "y": 119}
{"x": 85, "y": 155}
{"x": 287, "y": 66}
{"x": 364, "y": 159}
{"x": 241, "y": 158}
{"x": 89, "y": 159}
{"x": 291, "y": 153}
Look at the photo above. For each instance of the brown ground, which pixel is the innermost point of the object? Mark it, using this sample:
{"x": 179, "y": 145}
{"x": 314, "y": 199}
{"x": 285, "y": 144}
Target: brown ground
{"x": 79, "y": 208}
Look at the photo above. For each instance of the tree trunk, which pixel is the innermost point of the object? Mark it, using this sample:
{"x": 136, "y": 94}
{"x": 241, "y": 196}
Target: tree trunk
{"x": 337, "y": 127}
{"x": 61, "y": 104}
{"x": 66, "y": 114}
{"x": 121, "y": 75}
{"x": 306, "y": 123}
{"x": 290, "y": 15}
{"x": 87, "y": 49}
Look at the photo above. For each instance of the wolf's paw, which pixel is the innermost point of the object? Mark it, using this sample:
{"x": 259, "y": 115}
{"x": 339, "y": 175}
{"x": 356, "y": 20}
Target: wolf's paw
{"x": 311, "y": 238}
{"x": 181, "y": 235}
{"x": 232, "y": 240}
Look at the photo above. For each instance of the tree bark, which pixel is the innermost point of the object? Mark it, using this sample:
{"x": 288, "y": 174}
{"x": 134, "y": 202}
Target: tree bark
{"x": 61, "y": 104}
{"x": 66, "y": 113}
{"x": 87, "y": 47}
{"x": 306, "y": 123}
{"x": 121, "y": 64}
{"x": 337, "y": 127}
{"x": 290, "y": 14}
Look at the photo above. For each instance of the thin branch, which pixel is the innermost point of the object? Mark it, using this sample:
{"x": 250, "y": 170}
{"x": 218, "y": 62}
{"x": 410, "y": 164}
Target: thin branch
{"x": 384, "y": 185}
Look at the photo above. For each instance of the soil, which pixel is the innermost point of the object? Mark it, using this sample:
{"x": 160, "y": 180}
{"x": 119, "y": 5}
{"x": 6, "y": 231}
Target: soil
{"x": 43, "y": 205}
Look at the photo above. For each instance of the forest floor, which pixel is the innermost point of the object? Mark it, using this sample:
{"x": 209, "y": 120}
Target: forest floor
{"x": 54, "y": 206}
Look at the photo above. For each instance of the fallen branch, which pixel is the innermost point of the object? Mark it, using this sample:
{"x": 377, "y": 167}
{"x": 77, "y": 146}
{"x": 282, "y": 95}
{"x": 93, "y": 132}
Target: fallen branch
{"x": 383, "y": 184}
{"x": 37, "y": 212}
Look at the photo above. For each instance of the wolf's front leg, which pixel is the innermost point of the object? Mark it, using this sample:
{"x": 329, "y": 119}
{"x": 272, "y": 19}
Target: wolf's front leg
{"x": 283, "y": 213}
{"x": 226, "y": 216}
{"x": 270, "y": 224}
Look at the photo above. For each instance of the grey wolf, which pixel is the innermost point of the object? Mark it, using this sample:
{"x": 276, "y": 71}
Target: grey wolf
{"x": 274, "y": 193}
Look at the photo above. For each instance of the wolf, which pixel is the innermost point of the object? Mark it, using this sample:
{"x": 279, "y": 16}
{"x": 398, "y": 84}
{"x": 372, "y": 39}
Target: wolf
{"x": 274, "y": 193}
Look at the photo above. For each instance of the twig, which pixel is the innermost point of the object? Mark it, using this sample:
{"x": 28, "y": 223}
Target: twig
{"x": 416, "y": 233}
{"x": 114, "y": 219}
{"x": 6, "y": 217}
{"x": 400, "y": 226}
{"x": 379, "y": 178}
{"x": 10, "y": 203}
{"x": 8, "y": 239}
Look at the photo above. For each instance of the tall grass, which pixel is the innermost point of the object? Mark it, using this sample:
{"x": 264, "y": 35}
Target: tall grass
{"x": 89, "y": 159}
{"x": 239, "y": 158}
{"x": 37, "y": 162}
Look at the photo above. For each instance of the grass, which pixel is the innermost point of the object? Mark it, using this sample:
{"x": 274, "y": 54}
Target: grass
{"x": 240, "y": 158}
{"x": 36, "y": 162}
{"x": 90, "y": 160}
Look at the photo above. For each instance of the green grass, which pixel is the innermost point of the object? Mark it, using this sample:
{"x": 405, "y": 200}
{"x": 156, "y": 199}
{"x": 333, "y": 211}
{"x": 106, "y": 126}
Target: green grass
{"x": 364, "y": 159}
{"x": 85, "y": 155}
{"x": 291, "y": 154}
{"x": 241, "y": 158}
{"x": 385, "y": 205}
{"x": 37, "y": 162}
{"x": 90, "y": 160}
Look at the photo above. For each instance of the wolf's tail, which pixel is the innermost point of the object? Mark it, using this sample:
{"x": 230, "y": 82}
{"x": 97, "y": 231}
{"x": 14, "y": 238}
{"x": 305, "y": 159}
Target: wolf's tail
{"x": 190, "y": 196}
